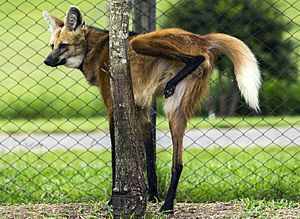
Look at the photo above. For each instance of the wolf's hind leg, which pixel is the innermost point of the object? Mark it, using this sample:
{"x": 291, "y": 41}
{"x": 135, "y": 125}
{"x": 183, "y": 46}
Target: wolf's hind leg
{"x": 165, "y": 49}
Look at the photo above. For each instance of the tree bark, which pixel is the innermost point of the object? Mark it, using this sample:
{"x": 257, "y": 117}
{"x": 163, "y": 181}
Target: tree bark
{"x": 223, "y": 95}
{"x": 234, "y": 98}
{"x": 129, "y": 192}
{"x": 144, "y": 15}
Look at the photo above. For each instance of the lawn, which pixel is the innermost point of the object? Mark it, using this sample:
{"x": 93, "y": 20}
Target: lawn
{"x": 96, "y": 124}
{"x": 212, "y": 174}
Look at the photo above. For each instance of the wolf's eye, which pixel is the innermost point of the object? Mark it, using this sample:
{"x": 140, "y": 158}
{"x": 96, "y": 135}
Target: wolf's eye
{"x": 52, "y": 46}
{"x": 63, "y": 45}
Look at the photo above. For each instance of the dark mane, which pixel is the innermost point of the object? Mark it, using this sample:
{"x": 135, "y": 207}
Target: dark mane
{"x": 131, "y": 33}
{"x": 96, "y": 28}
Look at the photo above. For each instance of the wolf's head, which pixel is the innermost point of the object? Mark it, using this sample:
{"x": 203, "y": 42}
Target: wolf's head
{"x": 67, "y": 39}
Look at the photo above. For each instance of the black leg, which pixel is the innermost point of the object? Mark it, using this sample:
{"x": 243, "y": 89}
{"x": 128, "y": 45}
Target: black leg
{"x": 150, "y": 148}
{"x": 191, "y": 65}
{"x": 163, "y": 47}
{"x": 177, "y": 122}
{"x": 113, "y": 153}
{"x": 169, "y": 201}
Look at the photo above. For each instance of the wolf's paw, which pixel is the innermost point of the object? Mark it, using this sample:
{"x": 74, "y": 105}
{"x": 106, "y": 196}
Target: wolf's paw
{"x": 169, "y": 90}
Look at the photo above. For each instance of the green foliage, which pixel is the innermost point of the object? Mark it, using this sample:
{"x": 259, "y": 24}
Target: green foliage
{"x": 260, "y": 25}
{"x": 281, "y": 97}
{"x": 267, "y": 30}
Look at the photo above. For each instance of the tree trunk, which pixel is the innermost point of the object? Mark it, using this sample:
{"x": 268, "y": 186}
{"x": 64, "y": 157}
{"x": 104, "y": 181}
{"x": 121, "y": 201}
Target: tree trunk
{"x": 223, "y": 95}
{"x": 129, "y": 192}
{"x": 211, "y": 107}
{"x": 144, "y": 15}
{"x": 234, "y": 94}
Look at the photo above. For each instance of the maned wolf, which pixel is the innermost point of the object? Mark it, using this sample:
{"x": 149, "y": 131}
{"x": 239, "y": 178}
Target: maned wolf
{"x": 170, "y": 62}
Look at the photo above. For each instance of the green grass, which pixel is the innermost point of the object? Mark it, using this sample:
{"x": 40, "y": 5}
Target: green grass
{"x": 211, "y": 174}
{"x": 94, "y": 124}
{"x": 263, "y": 208}
{"x": 42, "y": 125}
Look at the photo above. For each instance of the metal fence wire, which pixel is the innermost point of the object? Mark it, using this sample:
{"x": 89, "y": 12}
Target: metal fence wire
{"x": 54, "y": 139}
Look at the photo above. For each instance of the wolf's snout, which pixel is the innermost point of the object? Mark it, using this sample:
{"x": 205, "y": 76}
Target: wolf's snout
{"x": 53, "y": 62}
{"x": 50, "y": 61}
{"x": 47, "y": 61}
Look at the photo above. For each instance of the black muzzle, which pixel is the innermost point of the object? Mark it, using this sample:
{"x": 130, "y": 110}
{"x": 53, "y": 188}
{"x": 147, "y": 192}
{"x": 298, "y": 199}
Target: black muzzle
{"x": 53, "y": 61}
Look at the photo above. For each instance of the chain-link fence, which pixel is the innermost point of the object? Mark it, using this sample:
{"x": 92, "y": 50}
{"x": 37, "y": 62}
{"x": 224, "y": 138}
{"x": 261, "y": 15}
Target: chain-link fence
{"x": 54, "y": 141}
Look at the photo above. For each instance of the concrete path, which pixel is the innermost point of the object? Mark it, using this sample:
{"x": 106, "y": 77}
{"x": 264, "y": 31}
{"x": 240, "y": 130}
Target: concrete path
{"x": 242, "y": 137}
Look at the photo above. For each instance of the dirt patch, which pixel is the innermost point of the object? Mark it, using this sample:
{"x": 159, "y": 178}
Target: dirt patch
{"x": 182, "y": 210}
{"x": 212, "y": 210}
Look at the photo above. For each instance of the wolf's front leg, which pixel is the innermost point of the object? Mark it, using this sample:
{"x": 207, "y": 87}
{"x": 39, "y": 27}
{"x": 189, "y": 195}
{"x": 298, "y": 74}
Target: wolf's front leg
{"x": 113, "y": 153}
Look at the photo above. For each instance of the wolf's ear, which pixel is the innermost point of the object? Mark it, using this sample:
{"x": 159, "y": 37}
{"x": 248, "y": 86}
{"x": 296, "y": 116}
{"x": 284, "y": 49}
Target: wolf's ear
{"x": 74, "y": 19}
{"x": 54, "y": 23}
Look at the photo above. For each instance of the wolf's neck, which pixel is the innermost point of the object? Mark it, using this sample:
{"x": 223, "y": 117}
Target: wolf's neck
{"x": 96, "y": 58}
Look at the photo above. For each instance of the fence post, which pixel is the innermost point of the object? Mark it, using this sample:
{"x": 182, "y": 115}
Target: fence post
{"x": 144, "y": 20}
{"x": 129, "y": 192}
{"x": 144, "y": 15}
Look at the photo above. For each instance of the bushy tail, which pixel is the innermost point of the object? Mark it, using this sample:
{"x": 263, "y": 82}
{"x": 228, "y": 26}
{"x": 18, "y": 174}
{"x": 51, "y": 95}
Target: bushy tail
{"x": 245, "y": 65}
